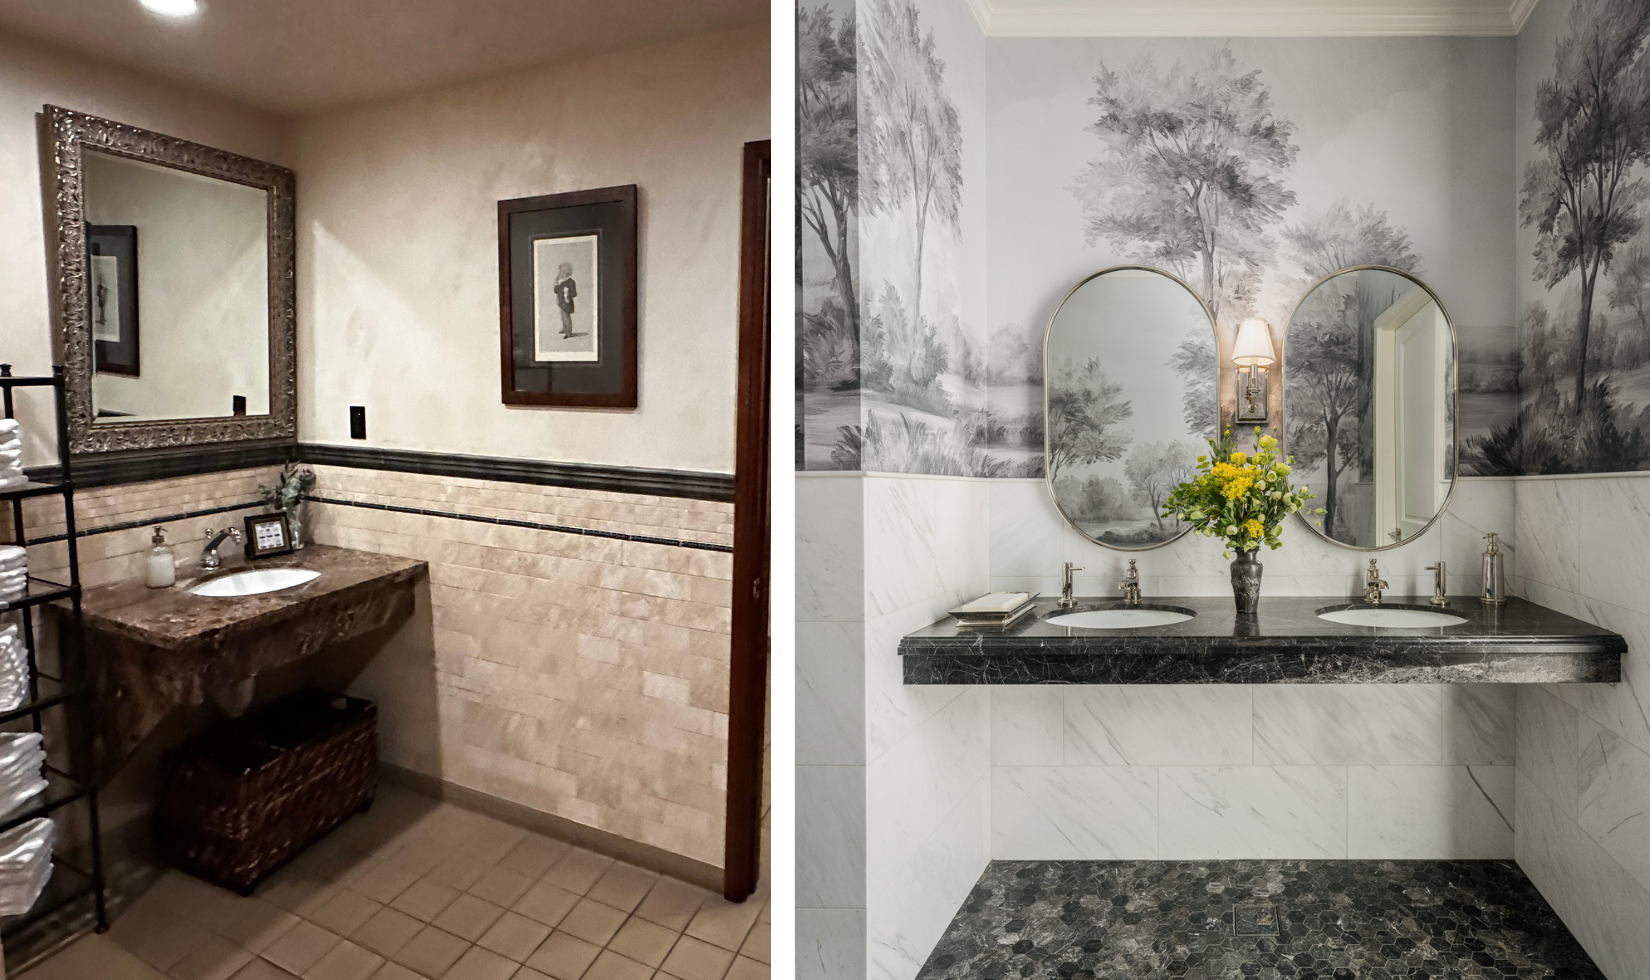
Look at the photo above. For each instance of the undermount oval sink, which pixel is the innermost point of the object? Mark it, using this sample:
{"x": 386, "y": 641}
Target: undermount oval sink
{"x": 256, "y": 581}
{"x": 1120, "y": 619}
{"x": 1391, "y": 617}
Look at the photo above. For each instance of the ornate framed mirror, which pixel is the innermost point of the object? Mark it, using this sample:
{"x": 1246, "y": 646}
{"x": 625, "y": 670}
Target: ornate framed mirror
{"x": 175, "y": 278}
{"x": 1369, "y": 403}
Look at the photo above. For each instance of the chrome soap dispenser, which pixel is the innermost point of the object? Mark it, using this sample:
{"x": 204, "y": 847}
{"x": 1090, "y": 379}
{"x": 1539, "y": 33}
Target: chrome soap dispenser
{"x": 162, "y": 568}
{"x": 1495, "y": 583}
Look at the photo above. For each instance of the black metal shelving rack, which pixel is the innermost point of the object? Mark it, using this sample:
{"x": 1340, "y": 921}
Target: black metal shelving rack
{"x": 69, "y": 690}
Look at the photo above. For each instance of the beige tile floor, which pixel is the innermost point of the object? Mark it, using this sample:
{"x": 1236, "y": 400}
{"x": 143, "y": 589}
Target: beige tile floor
{"x": 418, "y": 889}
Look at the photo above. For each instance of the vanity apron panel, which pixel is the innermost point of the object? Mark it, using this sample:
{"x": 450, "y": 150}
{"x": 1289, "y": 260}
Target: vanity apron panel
{"x": 152, "y": 650}
{"x": 1519, "y": 642}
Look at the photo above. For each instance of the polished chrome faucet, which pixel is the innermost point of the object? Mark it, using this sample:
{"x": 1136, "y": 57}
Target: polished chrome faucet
{"x": 209, "y": 554}
{"x": 1438, "y": 584}
{"x": 1066, "y": 598}
{"x": 1131, "y": 585}
{"x": 1373, "y": 583}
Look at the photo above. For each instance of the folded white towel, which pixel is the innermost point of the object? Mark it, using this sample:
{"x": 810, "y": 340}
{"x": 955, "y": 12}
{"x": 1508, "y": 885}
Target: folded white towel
{"x": 11, "y": 480}
{"x": 11, "y": 554}
{"x": 9, "y": 427}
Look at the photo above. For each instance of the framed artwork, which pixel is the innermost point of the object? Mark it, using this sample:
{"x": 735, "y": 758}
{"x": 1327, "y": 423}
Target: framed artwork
{"x": 111, "y": 280}
{"x": 567, "y": 298}
{"x": 268, "y": 534}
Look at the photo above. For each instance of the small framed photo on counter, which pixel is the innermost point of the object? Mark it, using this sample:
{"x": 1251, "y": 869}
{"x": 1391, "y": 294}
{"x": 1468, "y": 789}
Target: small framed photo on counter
{"x": 268, "y": 534}
{"x": 567, "y": 298}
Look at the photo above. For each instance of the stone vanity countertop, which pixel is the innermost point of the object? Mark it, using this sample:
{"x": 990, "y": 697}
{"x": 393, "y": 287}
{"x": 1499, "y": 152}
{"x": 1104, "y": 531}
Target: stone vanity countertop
{"x": 174, "y": 619}
{"x": 1519, "y": 642}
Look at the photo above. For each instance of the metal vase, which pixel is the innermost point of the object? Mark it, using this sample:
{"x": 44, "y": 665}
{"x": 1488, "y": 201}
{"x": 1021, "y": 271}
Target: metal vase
{"x": 1246, "y": 583}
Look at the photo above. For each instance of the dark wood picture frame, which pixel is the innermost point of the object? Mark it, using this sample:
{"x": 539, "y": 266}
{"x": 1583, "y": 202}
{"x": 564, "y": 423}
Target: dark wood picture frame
{"x": 253, "y": 550}
{"x": 119, "y": 242}
{"x": 608, "y": 381}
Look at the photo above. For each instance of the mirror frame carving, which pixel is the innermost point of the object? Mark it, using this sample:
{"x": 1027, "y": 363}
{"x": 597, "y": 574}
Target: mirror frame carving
{"x": 1454, "y": 400}
{"x": 1048, "y": 481}
{"x": 70, "y": 133}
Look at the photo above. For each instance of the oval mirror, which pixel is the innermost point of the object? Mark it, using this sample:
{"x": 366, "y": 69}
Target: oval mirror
{"x": 1129, "y": 401}
{"x": 1369, "y": 402}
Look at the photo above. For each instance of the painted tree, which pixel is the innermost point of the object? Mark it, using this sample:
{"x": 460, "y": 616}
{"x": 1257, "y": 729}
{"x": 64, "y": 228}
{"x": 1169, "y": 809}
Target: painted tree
{"x": 1628, "y": 285}
{"x": 1190, "y": 179}
{"x": 1326, "y": 388}
{"x": 914, "y": 147}
{"x": 827, "y": 122}
{"x": 1155, "y": 469}
{"x": 1321, "y": 244}
{"x": 1340, "y": 236}
{"x": 1194, "y": 360}
{"x": 1083, "y": 407}
{"x": 1592, "y": 125}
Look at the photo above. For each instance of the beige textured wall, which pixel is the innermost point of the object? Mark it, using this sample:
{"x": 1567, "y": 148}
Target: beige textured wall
{"x": 585, "y": 677}
{"x": 398, "y": 246}
{"x": 30, "y": 77}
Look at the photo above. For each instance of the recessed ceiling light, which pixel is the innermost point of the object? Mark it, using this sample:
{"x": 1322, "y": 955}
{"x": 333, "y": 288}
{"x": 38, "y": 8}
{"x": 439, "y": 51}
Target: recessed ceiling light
{"x": 172, "y": 8}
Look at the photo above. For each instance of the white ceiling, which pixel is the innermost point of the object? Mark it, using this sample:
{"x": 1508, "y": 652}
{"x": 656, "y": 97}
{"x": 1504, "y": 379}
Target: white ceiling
{"x": 297, "y": 56}
{"x": 1249, "y": 18}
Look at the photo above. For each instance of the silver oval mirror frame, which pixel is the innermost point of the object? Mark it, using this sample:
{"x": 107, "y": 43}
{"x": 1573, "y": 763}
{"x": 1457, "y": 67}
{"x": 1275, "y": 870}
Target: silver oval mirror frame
{"x": 1109, "y": 466}
{"x": 1369, "y": 372}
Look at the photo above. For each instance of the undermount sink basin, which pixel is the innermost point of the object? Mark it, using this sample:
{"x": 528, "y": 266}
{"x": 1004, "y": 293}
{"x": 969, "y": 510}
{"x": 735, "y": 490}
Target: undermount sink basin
{"x": 255, "y": 582}
{"x": 1120, "y": 619}
{"x": 1391, "y": 617}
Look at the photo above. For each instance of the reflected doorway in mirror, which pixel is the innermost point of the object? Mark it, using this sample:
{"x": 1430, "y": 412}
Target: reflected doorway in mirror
{"x": 1370, "y": 404}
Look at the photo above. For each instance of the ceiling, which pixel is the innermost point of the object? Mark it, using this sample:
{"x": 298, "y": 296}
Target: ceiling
{"x": 1249, "y": 18}
{"x": 299, "y": 56}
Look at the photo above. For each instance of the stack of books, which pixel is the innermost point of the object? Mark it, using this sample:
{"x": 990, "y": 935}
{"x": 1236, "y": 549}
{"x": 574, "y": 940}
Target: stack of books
{"x": 994, "y": 610}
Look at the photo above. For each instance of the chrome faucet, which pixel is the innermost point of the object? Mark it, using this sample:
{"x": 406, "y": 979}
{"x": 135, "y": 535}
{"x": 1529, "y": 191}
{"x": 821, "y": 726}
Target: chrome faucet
{"x": 1131, "y": 585}
{"x": 1373, "y": 583}
{"x": 209, "y": 554}
{"x": 1438, "y": 584}
{"x": 1066, "y": 598}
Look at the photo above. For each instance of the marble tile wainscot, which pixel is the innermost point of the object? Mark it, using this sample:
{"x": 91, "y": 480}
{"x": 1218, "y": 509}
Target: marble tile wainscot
{"x": 1519, "y": 642}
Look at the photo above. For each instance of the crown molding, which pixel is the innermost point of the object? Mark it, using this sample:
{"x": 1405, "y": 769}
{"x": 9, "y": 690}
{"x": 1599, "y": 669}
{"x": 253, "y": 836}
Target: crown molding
{"x": 1303, "y": 18}
{"x": 1521, "y": 11}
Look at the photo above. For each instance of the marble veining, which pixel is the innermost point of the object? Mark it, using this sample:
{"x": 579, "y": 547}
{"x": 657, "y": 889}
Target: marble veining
{"x": 161, "y": 648}
{"x": 1154, "y": 920}
{"x": 1519, "y": 642}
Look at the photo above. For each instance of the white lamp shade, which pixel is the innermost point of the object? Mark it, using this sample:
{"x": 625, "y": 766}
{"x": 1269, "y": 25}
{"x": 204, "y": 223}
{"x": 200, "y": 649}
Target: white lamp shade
{"x": 1253, "y": 345}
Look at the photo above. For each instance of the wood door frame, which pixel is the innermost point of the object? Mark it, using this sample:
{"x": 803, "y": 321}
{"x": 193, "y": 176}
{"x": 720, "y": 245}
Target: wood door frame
{"x": 748, "y": 666}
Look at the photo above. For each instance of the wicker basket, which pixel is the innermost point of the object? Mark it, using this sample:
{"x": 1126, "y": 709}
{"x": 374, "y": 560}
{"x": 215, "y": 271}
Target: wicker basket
{"x": 249, "y": 796}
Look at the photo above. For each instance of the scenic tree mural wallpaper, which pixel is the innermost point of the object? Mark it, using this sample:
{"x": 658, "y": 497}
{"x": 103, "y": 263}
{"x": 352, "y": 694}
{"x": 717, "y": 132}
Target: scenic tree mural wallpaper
{"x": 1220, "y": 162}
{"x": 1584, "y": 366}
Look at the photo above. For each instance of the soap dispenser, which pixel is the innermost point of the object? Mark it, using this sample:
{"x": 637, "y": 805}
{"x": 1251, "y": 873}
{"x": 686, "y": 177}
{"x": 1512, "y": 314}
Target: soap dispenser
{"x": 162, "y": 569}
{"x": 1495, "y": 583}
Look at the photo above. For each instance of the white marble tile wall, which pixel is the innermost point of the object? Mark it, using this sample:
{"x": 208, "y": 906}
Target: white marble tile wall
{"x": 1029, "y": 541}
{"x": 1583, "y": 750}
{"x": 893, "y": 780}
{"x": 830, "y": 726}
{"x": 928, "y": 749}
{"x": 1186, "y": 772}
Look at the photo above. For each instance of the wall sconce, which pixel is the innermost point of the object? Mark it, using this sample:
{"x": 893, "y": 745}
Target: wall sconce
{"x": 1253, "y": 350}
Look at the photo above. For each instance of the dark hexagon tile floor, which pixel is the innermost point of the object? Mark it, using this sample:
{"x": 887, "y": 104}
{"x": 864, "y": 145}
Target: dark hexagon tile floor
{"x": 1333, "y": 920}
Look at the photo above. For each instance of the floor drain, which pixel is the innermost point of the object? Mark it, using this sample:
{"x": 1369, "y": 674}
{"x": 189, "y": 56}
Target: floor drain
{"x": 1255, "y": 920}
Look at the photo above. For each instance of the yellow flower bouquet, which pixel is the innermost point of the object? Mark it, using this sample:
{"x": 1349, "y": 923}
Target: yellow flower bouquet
{"x": 1241, "y": 498}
